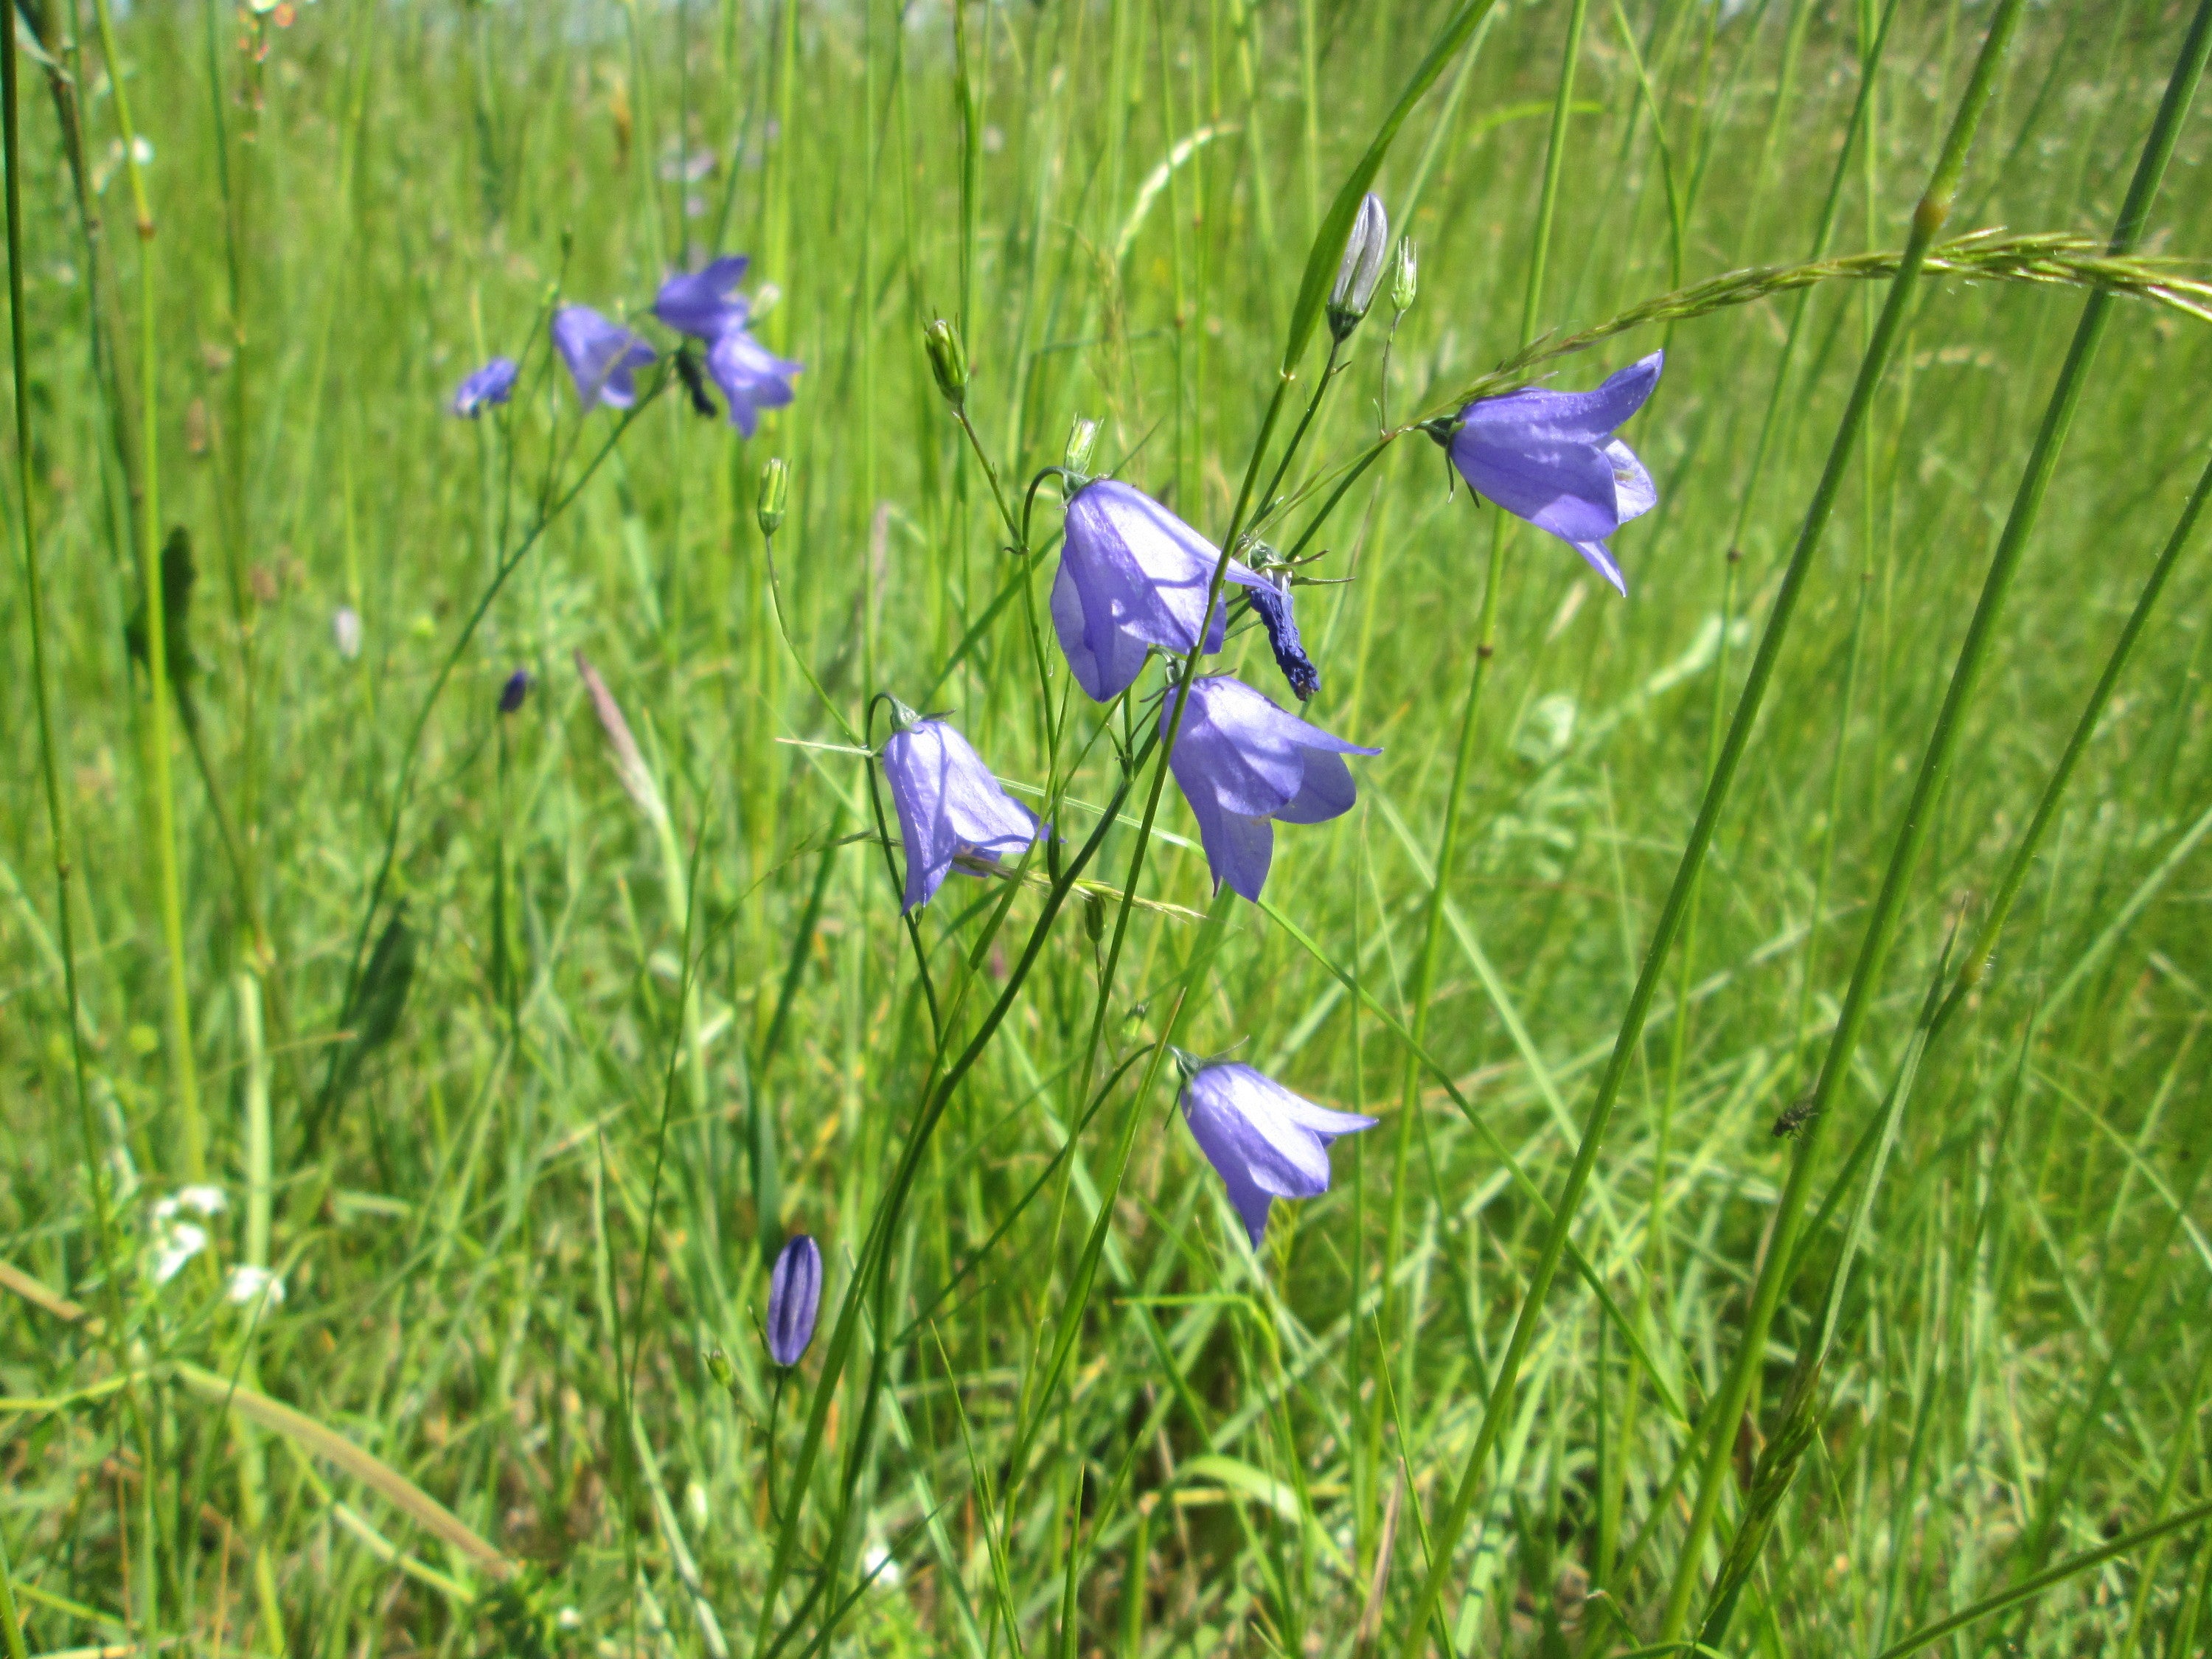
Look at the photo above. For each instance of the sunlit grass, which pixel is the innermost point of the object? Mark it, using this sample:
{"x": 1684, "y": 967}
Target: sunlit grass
{"x": 521, "y": 1196}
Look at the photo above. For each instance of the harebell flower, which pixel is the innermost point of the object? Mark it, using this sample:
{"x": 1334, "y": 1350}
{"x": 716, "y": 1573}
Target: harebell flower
{"x": 1551, "y": 458}
{"x": 492, "y": 384}
{"x": 1264, "y": 1142}
{"x": 603, "y": 356}
{"x": 1243, "y": 765}
{"x": 1132, "y": 575}
{"x": 948, "y": 803}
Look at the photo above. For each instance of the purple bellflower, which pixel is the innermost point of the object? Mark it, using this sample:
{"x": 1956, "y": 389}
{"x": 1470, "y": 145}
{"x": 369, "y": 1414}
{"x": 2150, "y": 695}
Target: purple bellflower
{"x": 794, "y": 1297}
{"x": 1243, "y": 765}
{"x": 704, "y": 303}
{"x": 1272, "y": 604}
{"x": 492, "y": 384}
{"x": 751, "y": 378}
{"x": 1132, "y": 575}
{"x": 516, "y": 688}
{"x": 603, "y": 357}
{"x": 1551, "y": 458}
{"x": 1264, "y": 1142}
{"x": 948, "y": 803}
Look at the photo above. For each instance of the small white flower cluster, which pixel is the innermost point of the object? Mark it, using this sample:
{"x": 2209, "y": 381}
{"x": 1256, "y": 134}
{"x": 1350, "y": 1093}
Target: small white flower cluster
{"x": 252, "y": 1284}
{"x": 177, "y": 1241}
{"x": 175, "y": 1238}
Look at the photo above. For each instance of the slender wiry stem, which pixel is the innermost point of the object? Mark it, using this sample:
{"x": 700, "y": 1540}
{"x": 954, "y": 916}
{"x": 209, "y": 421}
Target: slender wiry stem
{"x": 184, "y": 1070}
{"x": 1934, "y": 208}
{"x": 1911, "y": 837}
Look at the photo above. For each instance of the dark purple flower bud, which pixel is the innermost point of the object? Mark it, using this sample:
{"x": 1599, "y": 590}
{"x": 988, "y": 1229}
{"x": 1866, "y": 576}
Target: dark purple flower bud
{"x": 603, "y": 357}
{"x": 1244, "y": 765}
{"x": 794, "y": 1296}
{"x": 1551, "y": 458}
{"x": 1264, "y": 1142}
{"x": 752, "y": 377}
{"x": 492, "y": 384}
{"x": 948, "y": 804}
{"x": 705, "y": 304}
{"x": 516, "y": 688}
{"x": 1132, "y": 575}
{"x": 1272, "y": 604}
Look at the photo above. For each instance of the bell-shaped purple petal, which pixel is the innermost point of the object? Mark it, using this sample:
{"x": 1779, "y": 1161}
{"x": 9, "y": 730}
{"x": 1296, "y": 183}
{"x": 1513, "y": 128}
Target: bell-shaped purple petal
{"x": 704, "y": 303}
{"x": 603, "y": 356}
{"x": 948, "y": 804}
{"x": 492, "y": 384}
{"x": 1241, "y": 762}
{"x": 751, "y": 376}
{"x": 1551, "y": 458}
{"x": 1266, "y": 1142}
{"x": 1132, "y": 574}
{"x": 794, "y": 1297}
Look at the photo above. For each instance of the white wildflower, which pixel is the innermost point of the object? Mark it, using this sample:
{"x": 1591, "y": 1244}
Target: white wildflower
{"x": 175, "y": 1243}
{"x": 252, "y": 1283}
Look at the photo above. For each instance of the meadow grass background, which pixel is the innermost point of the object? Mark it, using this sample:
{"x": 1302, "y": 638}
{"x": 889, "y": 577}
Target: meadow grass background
{"x": 526, "y": 1219}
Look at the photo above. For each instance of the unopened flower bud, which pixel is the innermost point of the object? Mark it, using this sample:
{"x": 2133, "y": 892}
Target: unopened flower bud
{"x": 794, "y": 1293}
{"x": 1082, "y": 438}
{"x": 1405, "y": 276}
{"x": 718, "y": 1367}
{"x": 1362, "y": 268}
{"x": 775, "y": 492}
{"x": 948, "y": 359}
{"x": 516, "y": 688}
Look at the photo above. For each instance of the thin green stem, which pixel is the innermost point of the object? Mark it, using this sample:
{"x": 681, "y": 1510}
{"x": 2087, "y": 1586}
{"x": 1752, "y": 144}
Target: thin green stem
{"x": 1927, "y": 220}
{"x": 1913, "y": 828}
{"x": 184, "y": 1069}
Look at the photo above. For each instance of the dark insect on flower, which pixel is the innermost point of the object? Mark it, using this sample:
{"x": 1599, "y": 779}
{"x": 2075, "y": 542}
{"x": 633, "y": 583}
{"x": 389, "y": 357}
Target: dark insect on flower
{"x": 1272, "y": 604}
{"x": 1800, "y": 1114}
{"x": 693, "y": 376}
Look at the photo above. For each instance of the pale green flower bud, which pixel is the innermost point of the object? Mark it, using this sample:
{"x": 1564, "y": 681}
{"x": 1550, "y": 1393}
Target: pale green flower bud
{"x": 1405, "y": 276}
{"x": 775, "y": 494}
{"x": 948, "y": 359}
{"x": 1082, "y": 437}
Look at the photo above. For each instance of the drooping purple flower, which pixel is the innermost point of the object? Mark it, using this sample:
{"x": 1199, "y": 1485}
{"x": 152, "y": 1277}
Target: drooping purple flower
{"x": 948, "y": 804}
{"x": 492, "y": 384}
{"x": 1272, "y": 604}
{"x": 704, "y": 303}
{"x": 1264, "y": 1142}
{"x": 794, "y": 1297}
{"x": 1244, "y": 765}
{"x": 1551, "y": 458}
{"x": 516, "y": 688}
{"x": 750, "y": 377}
{"x": 603, "y": 356}
{"x": 1132, "y": 575}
